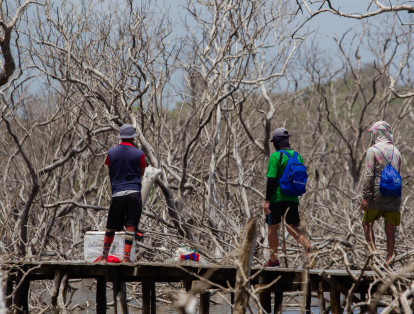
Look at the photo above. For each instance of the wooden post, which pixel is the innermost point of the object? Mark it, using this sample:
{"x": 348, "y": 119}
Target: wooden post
{"x": 232, "y": 301}
{"x": 21, "y": 297}
{"x": 119, "y": 292}
{"x": 8, "y": 290}
{"x": 146, "y": 297}
{"x": 122, "y": 299}
{"x": 187, "y": 284}
{"x": 153, "y": 298}
{"x": 335, "y": 300}
{"x": 306, "y": 289}
{"x": 245, "y": 261}
{"x": 278, "y": 301}
{"x": 412, "y": 303}
{"x": 335, "y": 289}
{"x": 55, "y": 292}
{"x": 100, "y": 295}
{"x": 265, "y": 297}
{"x": 149, "y": 305}
{"x": 205, "y": 302}
{"x": 115, "y": 289}
{"x": 308, "y": 297}
{"x": 62, "y": 293}
{"x": 321, "y": 298}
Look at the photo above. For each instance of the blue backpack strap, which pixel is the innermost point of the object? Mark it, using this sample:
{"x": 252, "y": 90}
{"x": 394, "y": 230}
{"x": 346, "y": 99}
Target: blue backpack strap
{"x": 389, "y": 162}
{"x": 296, "y": 155}
{"x": 281, "y": 156}
{"x": 284, "y": 152}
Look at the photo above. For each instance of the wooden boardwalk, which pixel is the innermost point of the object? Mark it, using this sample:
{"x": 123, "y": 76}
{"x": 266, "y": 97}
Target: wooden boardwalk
{"x": 270, "y": 280}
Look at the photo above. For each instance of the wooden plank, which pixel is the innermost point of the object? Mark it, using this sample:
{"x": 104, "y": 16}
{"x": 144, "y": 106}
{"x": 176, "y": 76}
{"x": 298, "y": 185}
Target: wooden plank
{"x": 80, "y": 264}
{"x": 100, "y": 295}
{"x": 157, "y": 272}
{"x": 204, "y": 303}
{"x": 138, "y": 272}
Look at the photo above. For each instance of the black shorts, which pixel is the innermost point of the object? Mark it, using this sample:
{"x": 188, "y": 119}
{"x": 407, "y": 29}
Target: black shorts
{"x": 278, "y": 209}
{"x": 124, "y": 211}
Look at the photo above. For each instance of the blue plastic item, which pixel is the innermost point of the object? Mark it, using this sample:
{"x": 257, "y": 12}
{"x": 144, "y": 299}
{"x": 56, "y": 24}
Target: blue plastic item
{"x": 390, "y": 180}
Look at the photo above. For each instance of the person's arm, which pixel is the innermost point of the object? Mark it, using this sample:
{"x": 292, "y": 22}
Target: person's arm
{"x": 142, "y": 165}
{"x": 272, "y": 182}
{"x": 369, "y": 178}
{"x": 107, "y": 160}
{"x": 270, "y": 187}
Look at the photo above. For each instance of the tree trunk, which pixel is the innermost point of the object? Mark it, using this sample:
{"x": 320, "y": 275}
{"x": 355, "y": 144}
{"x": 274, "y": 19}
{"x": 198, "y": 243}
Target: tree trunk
{"x": 243, "y": 272}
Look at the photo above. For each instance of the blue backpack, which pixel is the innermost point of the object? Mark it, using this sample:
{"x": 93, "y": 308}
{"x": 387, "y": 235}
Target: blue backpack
{"x": 294, "y": 177}
{"x": 390, "y": 183}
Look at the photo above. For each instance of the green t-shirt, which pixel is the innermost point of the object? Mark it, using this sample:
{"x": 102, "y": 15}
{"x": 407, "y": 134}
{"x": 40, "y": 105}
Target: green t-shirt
{"x": 275, "y": 170}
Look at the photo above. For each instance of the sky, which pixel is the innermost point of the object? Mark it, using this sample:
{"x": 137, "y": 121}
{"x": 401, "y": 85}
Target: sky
{"x": 322, "y": 27}
{"x": 326, "y": 25}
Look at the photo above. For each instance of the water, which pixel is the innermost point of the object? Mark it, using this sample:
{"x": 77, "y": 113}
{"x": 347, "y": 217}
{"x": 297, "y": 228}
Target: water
{"x": 83, "y": 299}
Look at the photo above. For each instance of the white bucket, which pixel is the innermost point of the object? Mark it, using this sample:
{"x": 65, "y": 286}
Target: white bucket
{"x": 93, "y": 246}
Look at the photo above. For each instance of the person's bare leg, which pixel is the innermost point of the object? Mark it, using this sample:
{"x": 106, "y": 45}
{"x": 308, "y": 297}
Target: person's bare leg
{"x": 390, "y": 233}
{"x": 369, "y": 235}
{"x": 273, "y": 238}
{"x": 298, "y": 235}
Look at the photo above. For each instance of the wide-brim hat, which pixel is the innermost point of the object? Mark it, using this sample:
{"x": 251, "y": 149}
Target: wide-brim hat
{"x": 280, "y": 132}
{"x": 127, "y": 131}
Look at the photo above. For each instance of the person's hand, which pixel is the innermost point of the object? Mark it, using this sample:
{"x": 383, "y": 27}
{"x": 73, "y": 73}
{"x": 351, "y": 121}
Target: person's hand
{"x": 266, "y": 207}
{"x": 364, "y": 205}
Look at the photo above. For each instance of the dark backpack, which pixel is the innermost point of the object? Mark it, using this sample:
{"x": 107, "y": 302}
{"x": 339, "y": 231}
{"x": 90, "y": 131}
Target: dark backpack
{"x": 294, "y": 177}
{"x": 390, "y": 181}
